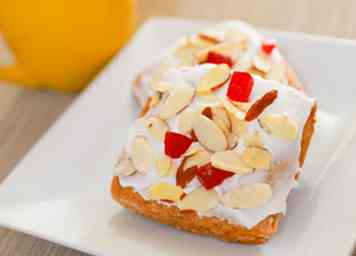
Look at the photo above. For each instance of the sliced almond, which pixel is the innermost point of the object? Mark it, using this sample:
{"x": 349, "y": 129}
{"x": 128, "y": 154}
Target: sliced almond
{"x": 244, "y": 106}
{"x": 231, "y": 108}
{"x": 157, "y": 128}
{"x": 262, "y": 62}
{"x": 161, "y": 86}
{"x": 185, "y": 175}
{"x": 248, "y": 196}
{"x": 213, "y": 79}
{"x": 258, "y": 158}
{"x": 209, "y": 39}
{"x": 194, "y": 148}
{"x": 163, "y": 164}
{"x": 125, "y": 167}
{"x": 198, "y": 159}
{"x": 254, "y": 139}
{"x": 280, "y": 126}
{"x": 178, "y": 98}
{"x": 221, "y": 117}
{"x": 200, "y": 200}
{"x": 185, "y": 121}
{"x": 260, "y": 105}
{"x": 165, "y": 191}
{"x": 155, "y": 98}
{"x": 254, "y": 71}
{"x": 142, "y": 154}
{"x": 232, "y": 140}
{"x": 207, "y": 111}
{"x": 209, "y": 134}
{"x": 230, "y": 161}
{"x": 186, "y": 52}
{"x": 172, "y": 170}
{"x": 239, "y": 127}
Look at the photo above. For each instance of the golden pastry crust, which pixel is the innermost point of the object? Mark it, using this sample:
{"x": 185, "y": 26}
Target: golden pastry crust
{"x": 190, "y": 221}
{"x": 211, "y": 226}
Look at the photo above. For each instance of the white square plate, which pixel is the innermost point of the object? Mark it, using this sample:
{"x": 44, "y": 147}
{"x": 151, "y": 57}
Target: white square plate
{"x": 60, "y": 191}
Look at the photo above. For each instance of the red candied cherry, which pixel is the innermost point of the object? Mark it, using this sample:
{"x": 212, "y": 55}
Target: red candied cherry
{"x": 210, "y": 176}
{"x": 240, "y": 87}
{"x": 176, "y": 144}
{"x": 217, "y": 58}
{"x": 268, "y": 46}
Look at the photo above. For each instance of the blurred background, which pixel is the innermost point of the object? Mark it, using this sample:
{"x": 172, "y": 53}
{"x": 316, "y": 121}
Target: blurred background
{"x": 84, "y": 36}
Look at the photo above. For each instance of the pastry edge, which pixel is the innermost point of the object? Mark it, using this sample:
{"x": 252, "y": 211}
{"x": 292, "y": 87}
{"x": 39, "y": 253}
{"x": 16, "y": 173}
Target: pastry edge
{"x": 191, "y": 221}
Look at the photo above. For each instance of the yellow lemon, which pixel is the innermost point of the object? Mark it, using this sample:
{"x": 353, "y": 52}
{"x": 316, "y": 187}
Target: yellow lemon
{"x": 62, "y": 44}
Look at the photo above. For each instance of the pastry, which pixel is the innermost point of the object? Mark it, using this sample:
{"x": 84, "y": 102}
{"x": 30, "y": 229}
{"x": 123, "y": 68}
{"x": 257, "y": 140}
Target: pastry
{"x": 216, "y": 152}
{"x": 233, "y": 42}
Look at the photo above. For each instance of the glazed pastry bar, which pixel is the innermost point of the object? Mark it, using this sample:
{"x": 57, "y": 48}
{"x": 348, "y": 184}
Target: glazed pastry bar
{"x": 217, "y": 153}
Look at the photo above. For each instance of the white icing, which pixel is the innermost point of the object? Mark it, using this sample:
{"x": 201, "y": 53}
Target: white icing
{"x": 289, "y": 101}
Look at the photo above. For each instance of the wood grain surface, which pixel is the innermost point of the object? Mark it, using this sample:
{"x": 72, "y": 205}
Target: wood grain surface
{"x": 25, "y": 114}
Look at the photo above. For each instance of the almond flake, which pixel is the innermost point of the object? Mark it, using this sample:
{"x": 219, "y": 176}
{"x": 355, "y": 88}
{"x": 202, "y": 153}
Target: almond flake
{"x": 185, "y": 121}
{"x": 239, "y": 127}
{"x": 232, "y": 140}
{"x": 178, "y": 98}
{"x": 156, "y": 128}
{"x": 172, "y": 170}
{"x": 186, "y": 52}
{"x": 163, "y": 165}
{"x": 253, "y": 140}
{"x": 262, "y": 62}
{"x": 232, "y": 109}
{"x": 221, "y": 118}
{"x": 244, "y": 106}
{"x": 142, "y": 154}
{"x": 200, "y": 200}
{"x": 201, "y": 44}
{"x": 208, "y": 38}
{"x": 194, "y": 148}
{"x": 230, "y": 161}
{"x": 154, "y": 100}
{"x": 280, "y": 126}
{"x": 198, "y": 159}
{"x": 254, "y": 71}
{"x": 165, "y": 191}
{"x": 207, "y": 112}
{"x": 125, "y": 167}
{"x": 185, "y": 175}
{"x": 248, "y": 196}
{"x": 209, "y": 134}
{"x": 161, "y": 86}
{"x": 213, "y": 79}
{"x": 260, "y": 105}
{"x": 257, "y": 158}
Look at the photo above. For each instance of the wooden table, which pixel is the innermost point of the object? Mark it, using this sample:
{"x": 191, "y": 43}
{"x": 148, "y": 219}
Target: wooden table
{"x": 25, "y": 115}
